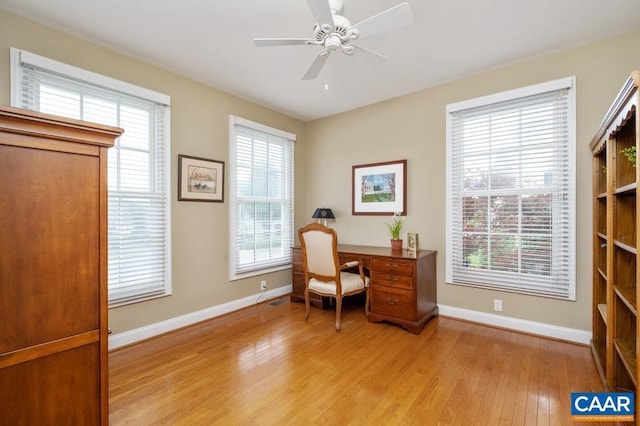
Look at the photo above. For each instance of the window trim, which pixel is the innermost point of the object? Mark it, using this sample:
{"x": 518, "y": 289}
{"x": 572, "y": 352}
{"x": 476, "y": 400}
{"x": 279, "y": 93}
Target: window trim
{"x": 233, "y": 122}
{"x": 19, "y": 57}
{"x": 568, "y": 82}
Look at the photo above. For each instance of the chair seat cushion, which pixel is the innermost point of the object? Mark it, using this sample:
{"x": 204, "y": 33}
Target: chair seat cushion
{"x": 350, "y": 282}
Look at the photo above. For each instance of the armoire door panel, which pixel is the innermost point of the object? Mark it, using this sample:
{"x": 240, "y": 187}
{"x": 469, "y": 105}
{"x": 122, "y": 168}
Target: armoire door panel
{"x": 49, "y": 258}
{"x": 60, "y": 389}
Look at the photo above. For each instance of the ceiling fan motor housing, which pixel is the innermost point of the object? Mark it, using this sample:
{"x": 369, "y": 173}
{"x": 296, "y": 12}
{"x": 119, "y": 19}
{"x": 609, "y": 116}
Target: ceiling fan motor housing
{"x": 341, "y": 29}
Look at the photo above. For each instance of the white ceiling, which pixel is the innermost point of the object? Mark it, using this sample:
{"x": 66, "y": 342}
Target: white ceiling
{"x": 211, "y": 42}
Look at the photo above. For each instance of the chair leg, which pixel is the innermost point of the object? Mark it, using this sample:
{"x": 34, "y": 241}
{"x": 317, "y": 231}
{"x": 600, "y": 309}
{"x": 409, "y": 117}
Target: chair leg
{"x": 366, "y": 302}
{"x": 307, "y": 304}
{"x": 338, "y": 312}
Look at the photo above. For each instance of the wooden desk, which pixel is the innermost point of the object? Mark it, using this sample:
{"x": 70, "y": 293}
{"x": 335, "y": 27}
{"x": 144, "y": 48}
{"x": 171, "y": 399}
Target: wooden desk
{"x": 403, "y": 285}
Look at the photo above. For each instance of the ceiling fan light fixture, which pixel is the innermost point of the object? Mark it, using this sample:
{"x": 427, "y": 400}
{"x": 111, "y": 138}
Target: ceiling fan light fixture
{"x": 332, "y": 42}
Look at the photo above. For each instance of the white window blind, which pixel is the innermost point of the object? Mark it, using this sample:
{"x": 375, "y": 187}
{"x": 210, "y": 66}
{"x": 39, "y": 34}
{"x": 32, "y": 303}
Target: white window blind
{"x": 138, "y": 167}
{"x": 511, "y": 198}
{"x": 261, "y": 198}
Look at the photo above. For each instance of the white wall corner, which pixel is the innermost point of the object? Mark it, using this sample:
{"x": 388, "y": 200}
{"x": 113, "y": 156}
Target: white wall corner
{"x": 142, "y": 333}
{"x": 532, "y": 327}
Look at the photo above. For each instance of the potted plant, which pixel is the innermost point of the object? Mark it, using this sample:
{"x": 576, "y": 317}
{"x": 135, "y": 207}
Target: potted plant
{"x": 395, "y": 227}
{"x": 630, "y": 153}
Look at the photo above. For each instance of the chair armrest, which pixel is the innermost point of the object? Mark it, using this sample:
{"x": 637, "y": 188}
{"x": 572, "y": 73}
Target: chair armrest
{"x": 350, "y": 264}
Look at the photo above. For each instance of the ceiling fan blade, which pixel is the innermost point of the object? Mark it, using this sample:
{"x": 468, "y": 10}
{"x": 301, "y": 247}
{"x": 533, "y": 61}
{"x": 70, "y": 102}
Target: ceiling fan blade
{"x": 321, "y": 11}
{"x": 316, "y": 66}
{"x": 369, "y": 57}
{"x": 264, "y": 42}
{"x": 397, "y": 16}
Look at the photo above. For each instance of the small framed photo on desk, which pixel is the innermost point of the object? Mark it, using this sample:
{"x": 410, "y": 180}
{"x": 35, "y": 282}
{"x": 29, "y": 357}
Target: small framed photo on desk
{"x": 412, "y": 242}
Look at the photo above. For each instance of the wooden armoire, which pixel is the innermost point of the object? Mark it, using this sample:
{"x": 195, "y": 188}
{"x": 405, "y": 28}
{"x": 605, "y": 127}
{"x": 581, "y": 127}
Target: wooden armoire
{"x": 53, "y": 269}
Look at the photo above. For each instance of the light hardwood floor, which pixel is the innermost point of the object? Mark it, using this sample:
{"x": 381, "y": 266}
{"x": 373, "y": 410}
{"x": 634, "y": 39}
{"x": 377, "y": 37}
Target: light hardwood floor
{"x": 265, "y": 366}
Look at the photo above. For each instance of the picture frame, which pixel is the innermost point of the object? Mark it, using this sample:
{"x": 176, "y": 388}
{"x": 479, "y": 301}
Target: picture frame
{"x": 412, "y": 242}
{"x": 379, "y": 188}
{"x": 200, "y": 179}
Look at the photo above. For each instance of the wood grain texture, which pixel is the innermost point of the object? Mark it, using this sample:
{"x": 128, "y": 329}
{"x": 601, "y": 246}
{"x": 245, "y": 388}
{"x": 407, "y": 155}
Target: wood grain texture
{"x": 264, "y": 365}
{"x": 615, "y": 235}
{"x": 46, "y": 199}
{"x": 53, "y": 280}
{"x": 57, "y": 389}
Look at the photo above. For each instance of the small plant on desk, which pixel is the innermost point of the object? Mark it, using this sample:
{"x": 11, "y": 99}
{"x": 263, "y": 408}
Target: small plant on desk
{"x": 395, "y": 227}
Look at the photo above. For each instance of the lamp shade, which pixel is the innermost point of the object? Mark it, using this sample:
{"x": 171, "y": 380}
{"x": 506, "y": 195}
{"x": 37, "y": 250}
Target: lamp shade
{"x": 323, "y": 213}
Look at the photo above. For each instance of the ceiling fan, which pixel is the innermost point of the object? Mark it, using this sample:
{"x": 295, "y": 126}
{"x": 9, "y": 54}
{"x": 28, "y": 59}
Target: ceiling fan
{"x": 333, "y": 31}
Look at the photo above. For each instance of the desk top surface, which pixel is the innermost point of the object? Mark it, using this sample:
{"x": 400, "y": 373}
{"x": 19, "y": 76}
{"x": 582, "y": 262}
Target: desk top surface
{"x": 381, "y": 251}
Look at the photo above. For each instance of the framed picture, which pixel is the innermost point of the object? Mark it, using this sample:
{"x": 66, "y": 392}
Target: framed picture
{"x": 380, "y": 188}
{"x": 200, "y": 179}
{"x": 412, "y": 242}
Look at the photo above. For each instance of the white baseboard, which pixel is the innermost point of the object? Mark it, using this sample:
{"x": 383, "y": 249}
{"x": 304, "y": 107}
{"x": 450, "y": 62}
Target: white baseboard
{"x": 132, "y": 336}
{"x": 532, "y": 327}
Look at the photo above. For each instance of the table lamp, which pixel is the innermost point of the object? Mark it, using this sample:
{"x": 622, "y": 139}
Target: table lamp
{"x": 323, "y": 214}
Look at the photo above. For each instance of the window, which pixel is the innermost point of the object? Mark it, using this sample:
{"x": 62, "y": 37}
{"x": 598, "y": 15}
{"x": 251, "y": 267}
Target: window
{"x": 261, "y": 207}
{"x": 511, "y": 191}
{"x": 138, "y": 166}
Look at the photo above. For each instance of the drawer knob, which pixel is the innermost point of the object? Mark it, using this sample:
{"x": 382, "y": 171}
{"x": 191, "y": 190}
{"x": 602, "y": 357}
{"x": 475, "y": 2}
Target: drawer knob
{"x": 392, "y": 301}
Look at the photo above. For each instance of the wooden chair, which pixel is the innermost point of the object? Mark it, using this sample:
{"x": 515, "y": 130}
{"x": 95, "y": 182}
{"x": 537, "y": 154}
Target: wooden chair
{"x": 323, "y": 273}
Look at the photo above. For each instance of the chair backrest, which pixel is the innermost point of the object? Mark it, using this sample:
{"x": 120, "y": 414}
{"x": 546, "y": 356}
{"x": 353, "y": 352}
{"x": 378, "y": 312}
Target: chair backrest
{"x": 319, "y": 251}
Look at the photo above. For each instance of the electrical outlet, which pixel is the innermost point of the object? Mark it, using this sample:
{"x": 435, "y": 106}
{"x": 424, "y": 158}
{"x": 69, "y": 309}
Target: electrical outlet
{"x": 497, "y": 305}
{"x": 263, "y": 285}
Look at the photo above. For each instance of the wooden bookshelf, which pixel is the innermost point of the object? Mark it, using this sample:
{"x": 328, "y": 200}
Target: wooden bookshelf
{"x": 615, "y": 235}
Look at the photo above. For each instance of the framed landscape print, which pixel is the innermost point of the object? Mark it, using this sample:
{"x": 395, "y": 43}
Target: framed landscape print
{"x": 200, "y": 179}
{"x": 380, "y": 188}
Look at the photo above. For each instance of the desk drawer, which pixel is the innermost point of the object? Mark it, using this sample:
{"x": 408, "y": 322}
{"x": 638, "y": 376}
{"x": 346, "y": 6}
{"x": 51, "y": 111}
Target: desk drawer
{"x": 397, "y": 303}
{"x": 392, "y": 280}
{"x": 395, "y": 267}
